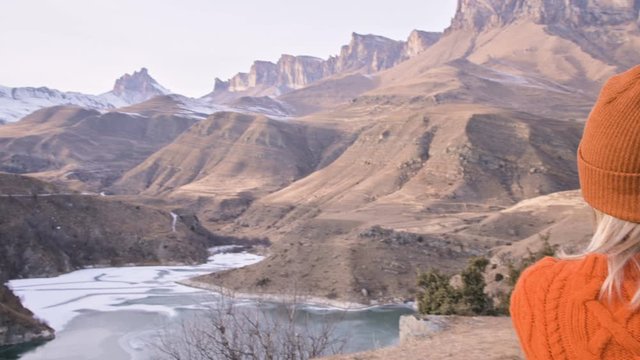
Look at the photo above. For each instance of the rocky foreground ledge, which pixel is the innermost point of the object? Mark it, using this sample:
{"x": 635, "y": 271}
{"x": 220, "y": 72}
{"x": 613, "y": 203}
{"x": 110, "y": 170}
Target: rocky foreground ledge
{"x": 17, "y": 324}
{"x": 449, "y": 337}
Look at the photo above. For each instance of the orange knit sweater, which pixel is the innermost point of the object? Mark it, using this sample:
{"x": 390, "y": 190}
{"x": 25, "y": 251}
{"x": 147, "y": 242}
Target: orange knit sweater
{"x": 557, "y": 313}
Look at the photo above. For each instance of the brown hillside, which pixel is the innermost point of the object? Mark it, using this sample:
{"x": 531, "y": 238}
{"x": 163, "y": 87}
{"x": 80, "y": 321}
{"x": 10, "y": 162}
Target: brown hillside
{"x": 82, "y": 147}
{"x": 232, "y": 153}
{"x": 488, "y": 116}
{"x": 49, "y": 233}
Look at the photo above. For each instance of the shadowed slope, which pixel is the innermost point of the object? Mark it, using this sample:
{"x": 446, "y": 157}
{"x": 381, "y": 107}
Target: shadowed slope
{"x": 84, "y": 147}
{"x": 231, "y": 153}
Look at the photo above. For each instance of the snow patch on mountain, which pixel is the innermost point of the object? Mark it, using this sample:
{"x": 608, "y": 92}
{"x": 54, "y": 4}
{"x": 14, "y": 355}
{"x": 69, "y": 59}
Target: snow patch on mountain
{"x": 18, "y": 102}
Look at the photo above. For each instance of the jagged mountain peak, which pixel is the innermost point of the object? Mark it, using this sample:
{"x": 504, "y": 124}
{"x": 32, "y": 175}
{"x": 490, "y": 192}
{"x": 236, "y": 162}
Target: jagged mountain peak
{"x": 137, "y": 87}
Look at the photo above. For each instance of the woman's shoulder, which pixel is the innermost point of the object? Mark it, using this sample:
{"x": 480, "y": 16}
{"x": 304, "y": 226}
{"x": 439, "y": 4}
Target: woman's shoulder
{"x": 548, "y": 268}
{"x": 542, "y": 289}
{"x": 549, "y": 276}
{"x": 542, "y": 268}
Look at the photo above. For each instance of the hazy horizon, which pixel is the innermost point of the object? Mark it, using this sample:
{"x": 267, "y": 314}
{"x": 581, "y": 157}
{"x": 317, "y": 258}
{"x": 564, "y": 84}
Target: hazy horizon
{"x": 75, "y": 45}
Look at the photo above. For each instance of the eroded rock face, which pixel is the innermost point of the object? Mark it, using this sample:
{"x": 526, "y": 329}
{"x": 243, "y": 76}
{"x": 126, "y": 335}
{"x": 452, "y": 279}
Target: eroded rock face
{"x": 370, "y": 53}
{"x": 295, "y": 72}
{"x": 292, "y": 72}
{"x": 137, "y": 87}
{"x": 364, "y": 53}
{"x": 483, "y": 14}
{"x": 263, "y": 72}
{"x": 419, "y": 41}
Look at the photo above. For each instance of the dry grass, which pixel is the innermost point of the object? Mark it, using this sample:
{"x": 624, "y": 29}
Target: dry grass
{"x": 465, "y": 338}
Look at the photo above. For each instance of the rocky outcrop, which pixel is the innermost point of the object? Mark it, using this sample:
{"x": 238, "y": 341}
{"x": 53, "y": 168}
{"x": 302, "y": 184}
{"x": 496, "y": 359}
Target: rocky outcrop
{"x": 418, "y": 42}
{"x": 420, "y": 327}
{"x": 291, "y": 72}
{"x": 479, "y": 15}
{"x": 17, "y": 324}
{"x": 135, "y": 88}
{"x": 365, "y": 53}
{"x": 240, "y": 82}
{"x": 262, "y": 72}
{"x": 295, "y": 72}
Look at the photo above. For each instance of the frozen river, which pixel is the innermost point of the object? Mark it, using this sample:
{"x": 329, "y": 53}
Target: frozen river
{"x": 117, "y": 313}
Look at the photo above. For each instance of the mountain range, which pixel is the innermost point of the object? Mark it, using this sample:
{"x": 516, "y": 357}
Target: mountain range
{"x": 365, "y": 53}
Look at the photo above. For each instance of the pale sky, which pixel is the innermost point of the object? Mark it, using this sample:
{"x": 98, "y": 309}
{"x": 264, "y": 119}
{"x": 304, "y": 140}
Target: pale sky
{"x": 84, "y": 45}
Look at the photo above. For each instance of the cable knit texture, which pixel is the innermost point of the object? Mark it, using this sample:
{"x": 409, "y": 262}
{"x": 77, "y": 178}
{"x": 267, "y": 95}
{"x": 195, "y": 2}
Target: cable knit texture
{"x": 557, "y": 312}
{"x": 609, "y": 153}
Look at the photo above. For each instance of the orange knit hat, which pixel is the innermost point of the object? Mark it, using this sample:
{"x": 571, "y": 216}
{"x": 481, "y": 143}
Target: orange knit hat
{"x": 609, "y": 153}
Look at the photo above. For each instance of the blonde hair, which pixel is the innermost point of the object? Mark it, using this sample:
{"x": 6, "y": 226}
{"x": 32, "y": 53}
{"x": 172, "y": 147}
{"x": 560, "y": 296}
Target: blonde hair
{"x": 619, "y": 240}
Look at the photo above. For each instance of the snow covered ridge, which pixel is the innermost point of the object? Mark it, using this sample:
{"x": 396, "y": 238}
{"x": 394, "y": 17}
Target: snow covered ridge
{"x": 16, "y": 103}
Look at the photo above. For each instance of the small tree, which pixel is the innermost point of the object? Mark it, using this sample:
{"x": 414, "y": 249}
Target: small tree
{"x": 436, "y": 295}
{"x": 473, "y": 299}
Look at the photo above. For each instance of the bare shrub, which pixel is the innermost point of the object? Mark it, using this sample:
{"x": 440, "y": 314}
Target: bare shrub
{"x": 233, "y": 331}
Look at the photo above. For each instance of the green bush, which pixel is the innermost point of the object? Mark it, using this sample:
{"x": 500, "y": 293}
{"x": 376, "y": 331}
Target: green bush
{"x": 438, "y": 297}
{"x": 473, "y": 300}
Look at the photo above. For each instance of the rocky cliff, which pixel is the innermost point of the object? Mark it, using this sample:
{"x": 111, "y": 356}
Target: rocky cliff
{"x": 135, "y": 88}
{"x": 367, "y": 53}
{"x": 482, "y": 14}
{"x": 17, "y": 324}
{"x": 364, "y": 53}
{"x": 418, "y": 42}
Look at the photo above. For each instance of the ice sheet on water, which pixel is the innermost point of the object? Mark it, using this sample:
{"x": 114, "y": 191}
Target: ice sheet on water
{"x": 59, "y": 299}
